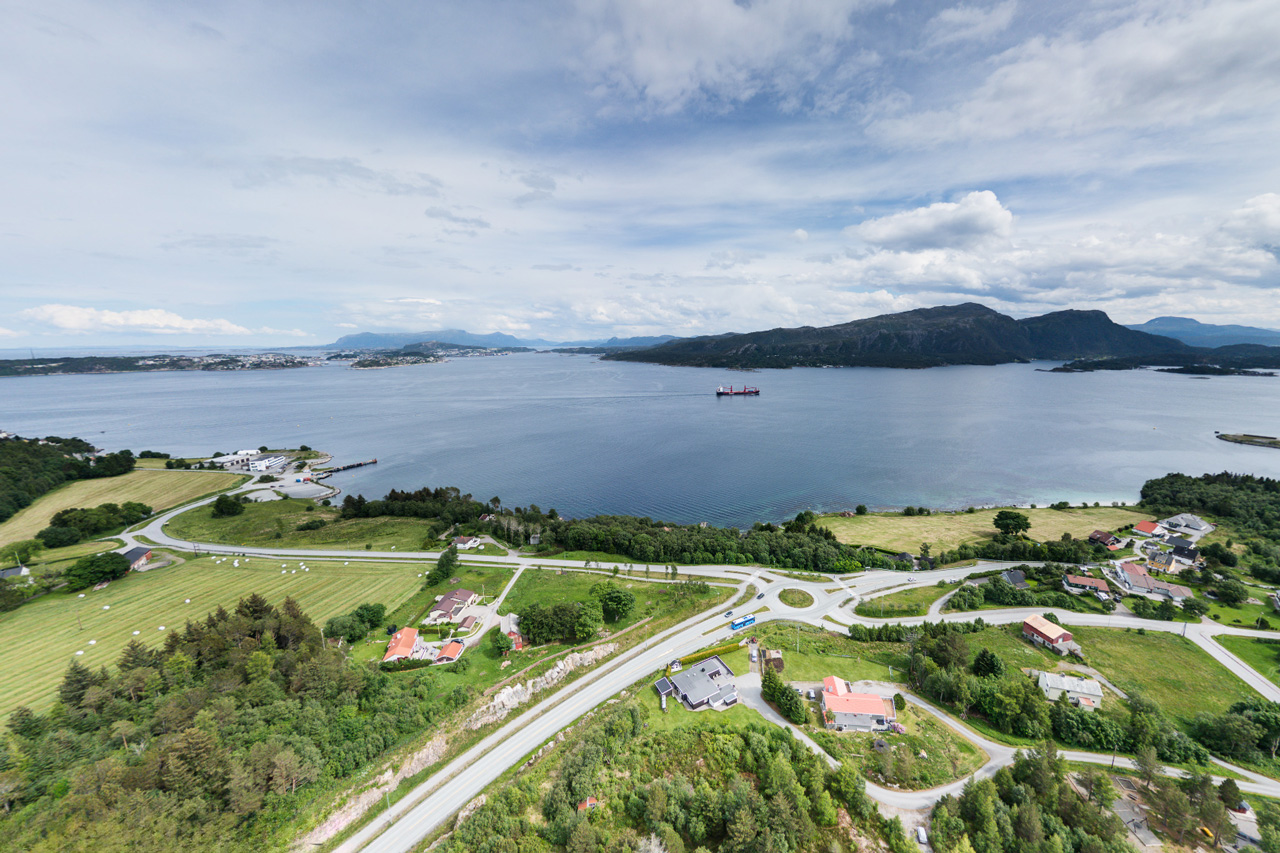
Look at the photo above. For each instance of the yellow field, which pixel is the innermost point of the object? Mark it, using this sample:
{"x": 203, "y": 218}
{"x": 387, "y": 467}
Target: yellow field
{"x": 40, "y": 638}
{"x": 947, "y": 530}
{"x": 157, "y": 489}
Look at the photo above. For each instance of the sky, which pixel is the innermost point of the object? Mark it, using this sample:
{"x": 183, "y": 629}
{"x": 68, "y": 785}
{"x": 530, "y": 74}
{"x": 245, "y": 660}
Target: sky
{"x": 280, "y": 174}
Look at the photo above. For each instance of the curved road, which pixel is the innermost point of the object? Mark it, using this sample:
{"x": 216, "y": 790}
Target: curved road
{"x": 412, "y": 818}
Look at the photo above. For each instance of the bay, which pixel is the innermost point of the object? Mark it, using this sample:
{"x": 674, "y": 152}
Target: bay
{"x": 587, "y": 436}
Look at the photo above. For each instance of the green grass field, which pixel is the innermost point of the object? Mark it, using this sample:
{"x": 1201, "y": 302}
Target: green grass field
{"x": 941, "y": 530}
{"x": 545, "y": 587}
{"x": 159, "y": 490}
{"x": 1173, "y": 671}
{"x": 274, "y": 524}
{"x": 40, "y": 638}
{"x": 487, "y": 580}
{"x": 906, "y": 602}
{"x": 824, "y": 653}
{"x": 1263, "y": 657}
{"x": 795, "y": 598}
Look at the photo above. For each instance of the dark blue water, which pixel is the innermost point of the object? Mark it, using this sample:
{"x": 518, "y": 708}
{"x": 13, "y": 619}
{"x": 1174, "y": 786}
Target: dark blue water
{"x": 586, "y": 436}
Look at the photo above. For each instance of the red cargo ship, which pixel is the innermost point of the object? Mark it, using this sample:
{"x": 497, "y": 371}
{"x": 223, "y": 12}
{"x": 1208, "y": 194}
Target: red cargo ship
{"x": 730, "y": 392}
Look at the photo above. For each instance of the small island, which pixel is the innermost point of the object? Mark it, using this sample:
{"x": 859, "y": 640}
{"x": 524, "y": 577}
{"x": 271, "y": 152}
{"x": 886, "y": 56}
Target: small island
{"x": 1255, "y": 440}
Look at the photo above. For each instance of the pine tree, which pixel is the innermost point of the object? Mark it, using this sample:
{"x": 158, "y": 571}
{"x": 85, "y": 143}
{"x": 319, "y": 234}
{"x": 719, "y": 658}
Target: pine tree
{"x": 75, "y": 682}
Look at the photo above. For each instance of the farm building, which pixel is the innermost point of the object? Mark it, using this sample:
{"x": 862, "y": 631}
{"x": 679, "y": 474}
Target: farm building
{"x": 138, "y": 557}
{"x": 1041, "y": 631}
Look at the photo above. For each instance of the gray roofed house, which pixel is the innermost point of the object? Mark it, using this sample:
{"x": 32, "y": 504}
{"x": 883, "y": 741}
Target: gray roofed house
{"x": 703, "y": 684}
{"x": 1187, "y": 521}
{"x": 138, "y": 557}
{"x": 1084, "y": 692}
{"x": 14, "y": 572}
{"x": 664, "y": 686}
{"x": 1015, "y": 578}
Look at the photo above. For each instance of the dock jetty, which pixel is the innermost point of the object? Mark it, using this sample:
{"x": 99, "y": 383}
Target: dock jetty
{"x": 332, "y": 471}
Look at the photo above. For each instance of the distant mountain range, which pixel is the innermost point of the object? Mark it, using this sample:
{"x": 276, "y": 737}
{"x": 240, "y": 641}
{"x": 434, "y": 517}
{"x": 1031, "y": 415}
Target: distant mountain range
{"x": 927, "y": 337}
{"x": 1207, "y": 335}
{"x": 459, "y": 337}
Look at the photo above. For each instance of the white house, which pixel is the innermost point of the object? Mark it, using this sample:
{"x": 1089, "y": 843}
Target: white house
{"x": 843, "y": 709}
{"x": 1084, "y": 692}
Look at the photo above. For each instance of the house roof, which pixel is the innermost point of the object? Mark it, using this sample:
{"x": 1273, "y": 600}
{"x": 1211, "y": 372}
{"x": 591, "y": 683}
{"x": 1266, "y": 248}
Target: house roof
{"x": 1015, "y": 577}
{"x": 835, "y": 686}
{"x": 401, "y": 644}
{"x": 1044, "y": 626}
{"x": 452, "y": 601}
{"x": 855, "y": 703}
{"x": 1174, "y": 590}
{"x": 698, "y": 681}
{"x": 1137, "y": 576}
{"x": 452, "y": 649}
{"x": 1187, "y": 520}
{"x": 467, "y": 623}
{"x": 1092, "y": 583}
{"x": 463, "y": 540}
{"x": 1058, "y": 681}
{"x": 134, "y": 554}
{"x": 663, "y": 686}
{"x": 1146, "y": 527}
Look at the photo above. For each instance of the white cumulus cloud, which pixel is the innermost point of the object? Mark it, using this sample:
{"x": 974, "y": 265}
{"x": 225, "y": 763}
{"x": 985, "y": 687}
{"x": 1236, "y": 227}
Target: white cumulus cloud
{"x": 969, "y": 23}
{"x": 80, "y": 319}
{"x": 977, "y": 218}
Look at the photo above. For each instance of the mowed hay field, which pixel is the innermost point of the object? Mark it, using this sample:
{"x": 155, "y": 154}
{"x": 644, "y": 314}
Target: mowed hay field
{"x": 40, "y": 638}
{"x": 946, "y": 530}
{"x": 159, "y": 490}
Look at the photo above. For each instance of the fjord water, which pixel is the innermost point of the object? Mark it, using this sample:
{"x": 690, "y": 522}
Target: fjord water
{"x": 587, "y": 436}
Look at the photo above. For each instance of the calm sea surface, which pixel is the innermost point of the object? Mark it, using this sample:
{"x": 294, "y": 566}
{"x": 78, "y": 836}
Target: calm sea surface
{"x": 586, "y": 436}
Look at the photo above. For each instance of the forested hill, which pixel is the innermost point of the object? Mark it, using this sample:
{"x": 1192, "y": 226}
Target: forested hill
{"x": 927, "y": 337}
{"x": 31, "y": 467}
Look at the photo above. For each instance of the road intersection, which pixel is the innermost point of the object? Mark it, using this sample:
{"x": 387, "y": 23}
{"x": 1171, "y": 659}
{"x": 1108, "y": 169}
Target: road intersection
{"x": 415, "y": 816}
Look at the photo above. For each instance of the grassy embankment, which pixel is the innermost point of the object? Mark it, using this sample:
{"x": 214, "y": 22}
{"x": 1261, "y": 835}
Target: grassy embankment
{"x": 274, "y": 524}
{"x": 946, "y": 530}
{"x": 905, "y": 602}
{"x": 1263, "y": 657}
{"x": 159, "y": 490}
{"x": 41, "y": 637}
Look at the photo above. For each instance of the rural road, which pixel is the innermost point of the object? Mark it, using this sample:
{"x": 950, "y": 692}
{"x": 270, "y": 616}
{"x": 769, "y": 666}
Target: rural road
{"x": 415, "y": 816}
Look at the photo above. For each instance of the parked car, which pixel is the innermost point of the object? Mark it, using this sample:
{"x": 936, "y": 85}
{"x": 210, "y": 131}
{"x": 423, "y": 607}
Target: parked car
{"x": 760, "y": 596}
{"x": 921, "y": 835}
{"x": 811, "y": 695}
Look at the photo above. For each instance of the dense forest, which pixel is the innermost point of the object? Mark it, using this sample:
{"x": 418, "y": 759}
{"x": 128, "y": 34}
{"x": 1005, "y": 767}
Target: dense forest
{"x": 1030, "y": 807}
{"x": 30, "y": 467}
{"x": 212, "y": 742}
{"x": 749, "y": 790}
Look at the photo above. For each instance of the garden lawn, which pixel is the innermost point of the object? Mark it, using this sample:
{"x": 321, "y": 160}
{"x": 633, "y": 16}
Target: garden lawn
{"x": 488, "y": 580}
{"x": 274, "y": 524}
{"x": 948, "y": 756}
{"x": 1180, "y": 676}
{"x": 824, "y": 653}
{"x": 159, "y": 490}
{"x": 907, "y": 602}
{"x": 946, "y": 530}
{"x": 41, "y": 637}
{"x": 1263, "y": 657}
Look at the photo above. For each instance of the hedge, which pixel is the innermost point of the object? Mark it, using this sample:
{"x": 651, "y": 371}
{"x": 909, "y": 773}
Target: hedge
{"x": 706, "y": 653}
{"x": 403, "y": 665}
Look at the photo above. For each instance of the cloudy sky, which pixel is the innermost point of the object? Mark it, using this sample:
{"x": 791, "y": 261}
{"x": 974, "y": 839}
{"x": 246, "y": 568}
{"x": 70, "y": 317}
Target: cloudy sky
{"x": 248, "y": 173}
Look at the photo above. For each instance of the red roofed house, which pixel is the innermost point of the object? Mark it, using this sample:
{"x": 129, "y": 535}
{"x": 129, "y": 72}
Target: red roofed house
{"x": 1102, "y": 537}
{"x": 588, "y": 803}
{"x": 843, "y": 709}
{"x": 1079, "y": 583}
{"x": 451, "y": 605}
{"x": 1041, "y": 631}
{"x": 451, "y": 652}
{"x": 401, "y": 645}
{"x": 466, "y": 623}
{"x": 1148, "y": 528}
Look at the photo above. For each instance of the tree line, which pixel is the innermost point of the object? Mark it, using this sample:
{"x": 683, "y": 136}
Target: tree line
{"x": 31, "y": 467}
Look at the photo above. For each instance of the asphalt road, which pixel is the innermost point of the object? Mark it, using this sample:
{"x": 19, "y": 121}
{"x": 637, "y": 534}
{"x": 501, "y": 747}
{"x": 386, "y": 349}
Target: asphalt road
{"x": 438, "y": 798}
